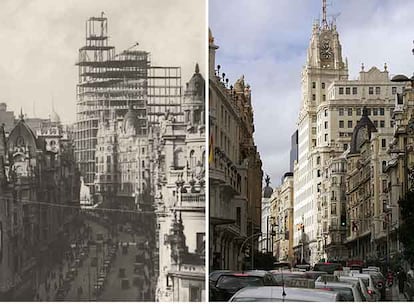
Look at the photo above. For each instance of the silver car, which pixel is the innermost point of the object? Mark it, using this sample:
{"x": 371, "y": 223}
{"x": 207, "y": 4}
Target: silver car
{"x": 289, "y": 294}
{"x": 348, "y": 289}
{"x": 361, "y": 285}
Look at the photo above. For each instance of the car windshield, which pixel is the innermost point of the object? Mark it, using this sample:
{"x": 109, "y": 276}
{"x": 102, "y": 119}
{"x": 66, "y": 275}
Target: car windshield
{"x": 215, "y": 275}
{"x": 238, "y": 282}
{"x": 329, "y": 268}
{"x": 287, "y": 277}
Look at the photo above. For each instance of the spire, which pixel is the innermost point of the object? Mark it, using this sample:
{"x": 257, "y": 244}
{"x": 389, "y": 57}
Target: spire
{"x": 324, "y": 22}
{"x": 197, "y": 69}
{"x": 21, "y": 116}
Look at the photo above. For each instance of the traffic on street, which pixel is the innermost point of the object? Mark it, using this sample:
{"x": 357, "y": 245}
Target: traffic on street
{"x": 104, "y": 262}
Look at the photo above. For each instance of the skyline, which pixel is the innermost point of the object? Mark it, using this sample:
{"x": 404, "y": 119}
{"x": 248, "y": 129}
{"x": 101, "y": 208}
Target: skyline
{"x": 42, "y": 38}
{"x": 268, "y": 45}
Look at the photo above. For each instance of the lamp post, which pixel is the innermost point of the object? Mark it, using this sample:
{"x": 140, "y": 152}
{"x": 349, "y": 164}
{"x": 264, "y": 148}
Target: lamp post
{"x": 244, "y": 243}
{"x": 325, "y": 237}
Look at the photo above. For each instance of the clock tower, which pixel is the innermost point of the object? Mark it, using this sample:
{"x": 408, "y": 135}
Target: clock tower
{"x": 324, "y": 65}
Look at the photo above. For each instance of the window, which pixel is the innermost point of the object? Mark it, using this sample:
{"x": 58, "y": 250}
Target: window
{"x": 376, "y": 123}
{"x": 347, "y": 91}
{"x": 326, "y": 125}
{"x": 354, "y": 90}
{"x": 371, "y": 90}
{"x": 195, "y": 294}
{"x": 381, "y": 111}
{"x": 201, "y": 242}
{"x": 377, "y": 90}
{"x": 313, "y": 85}
{"x": 333, "y": 209}
{"x": 323, "y": 85}
{"x": 382, "y": 123}
{"x": 341, "y": 91}
{"x": 375, "y": 111}
{"x": 318, "y": 160}
{"x": 238, "y": 216}
{"x": 368, "y": 111}
{"x": 349, "y": 123}
{"x": 349, "y": 111}
{"x": 326, "y": 137}
{"x": 313, "y": 97}
{"x": 383, "y": 143}
{"x": 358, "y": 111}
{"x": 341, "y": 123}
{"x": 394, "y": 90}
{"x": 345, "y": 146}
{"x": 326, "y": 112}
{"x": 341, "y": 112}
{"x": 323, "y": 97}
{"x": 318, "y": 173}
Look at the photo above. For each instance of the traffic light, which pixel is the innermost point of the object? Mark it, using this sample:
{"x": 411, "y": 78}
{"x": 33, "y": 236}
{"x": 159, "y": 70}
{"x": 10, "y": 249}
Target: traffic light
{"x": 343, "y": 220}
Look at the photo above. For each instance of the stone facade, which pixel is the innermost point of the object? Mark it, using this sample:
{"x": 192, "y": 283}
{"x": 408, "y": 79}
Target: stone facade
{"x": 235, "y": 172}
{"x": 180, "y": 199}
{"x": 331, "y": 107}
{"x": 39, "y": 203}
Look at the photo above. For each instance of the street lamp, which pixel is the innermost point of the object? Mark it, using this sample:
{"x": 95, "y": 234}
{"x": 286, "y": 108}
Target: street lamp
{"x": 325, "y": 237}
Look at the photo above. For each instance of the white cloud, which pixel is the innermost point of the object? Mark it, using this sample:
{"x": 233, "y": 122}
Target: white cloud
{"x": 267, "y": 42}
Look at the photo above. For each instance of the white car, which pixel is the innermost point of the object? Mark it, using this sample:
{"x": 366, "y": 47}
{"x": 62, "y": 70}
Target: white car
{"x": 348, "y": 289}
{"x": 368, "y": 297}
{"x": 288, "y": 294}
{"x": 369, "y": 283}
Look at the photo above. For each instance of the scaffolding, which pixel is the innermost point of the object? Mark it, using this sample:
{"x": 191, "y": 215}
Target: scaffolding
{"x": 110, "y": 81}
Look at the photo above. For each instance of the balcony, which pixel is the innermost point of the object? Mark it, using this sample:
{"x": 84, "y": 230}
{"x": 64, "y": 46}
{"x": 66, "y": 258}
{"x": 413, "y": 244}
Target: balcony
{"x": 192, "y": 200}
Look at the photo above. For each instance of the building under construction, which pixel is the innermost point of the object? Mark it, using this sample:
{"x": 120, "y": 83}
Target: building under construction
{"x": 113, "y": 81}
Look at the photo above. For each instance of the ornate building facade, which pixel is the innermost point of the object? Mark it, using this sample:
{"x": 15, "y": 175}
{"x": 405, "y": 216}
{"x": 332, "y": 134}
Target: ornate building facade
{"x": 331, "y": 107}
{"x": 235, "y": 172}
{"x": 180, "y": 199}
{"x": 39, "y": 203}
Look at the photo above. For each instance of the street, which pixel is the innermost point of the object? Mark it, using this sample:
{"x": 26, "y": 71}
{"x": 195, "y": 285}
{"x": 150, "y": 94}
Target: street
{"x": 104, "y": 264}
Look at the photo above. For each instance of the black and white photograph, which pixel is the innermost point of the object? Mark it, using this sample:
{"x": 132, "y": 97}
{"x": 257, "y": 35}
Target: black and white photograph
{"x": 102, "y": 150}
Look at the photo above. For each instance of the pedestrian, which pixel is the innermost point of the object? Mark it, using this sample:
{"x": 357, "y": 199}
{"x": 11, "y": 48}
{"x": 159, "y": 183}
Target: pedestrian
{"x": 402, "y": 277}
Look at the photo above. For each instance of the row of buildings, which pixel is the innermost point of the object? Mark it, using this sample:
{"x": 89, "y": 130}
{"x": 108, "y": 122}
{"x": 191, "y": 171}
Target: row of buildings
{"x": 350, "y": 162}
{"x": 39, "y": 201}
{"x": 140, "y": 147}
{"x": 235, "y": 171}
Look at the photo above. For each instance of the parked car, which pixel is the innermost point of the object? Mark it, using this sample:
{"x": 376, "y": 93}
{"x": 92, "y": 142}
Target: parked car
{"x": 348, "y": 289}
{"x": 281, "y": 294}
{"x": 229, "y": 283}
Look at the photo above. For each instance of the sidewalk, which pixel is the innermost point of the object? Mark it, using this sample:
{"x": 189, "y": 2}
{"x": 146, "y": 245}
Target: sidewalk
{"x": 394, "y": 295}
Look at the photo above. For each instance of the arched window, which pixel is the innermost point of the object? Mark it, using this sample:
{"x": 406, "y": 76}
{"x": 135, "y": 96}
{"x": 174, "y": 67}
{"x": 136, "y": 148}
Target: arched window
{"x": 178, "y": 158}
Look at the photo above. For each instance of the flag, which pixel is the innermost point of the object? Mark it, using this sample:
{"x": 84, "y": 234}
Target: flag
{"x": 211, "y": 150}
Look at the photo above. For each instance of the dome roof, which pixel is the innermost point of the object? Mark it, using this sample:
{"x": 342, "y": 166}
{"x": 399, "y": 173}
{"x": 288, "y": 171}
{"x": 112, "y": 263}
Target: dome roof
{"x": 130, "y": 120}
{"x": 400, "y": 78}
{"x": 195, "y": 87}
{"x": 22, "y": 135}
{"x": 362, "y": 132}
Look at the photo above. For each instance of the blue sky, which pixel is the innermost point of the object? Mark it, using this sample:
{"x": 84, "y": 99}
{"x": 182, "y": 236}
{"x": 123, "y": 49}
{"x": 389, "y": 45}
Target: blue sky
{"x": 267, "y": 40}
{"x": 40, "y": 40}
